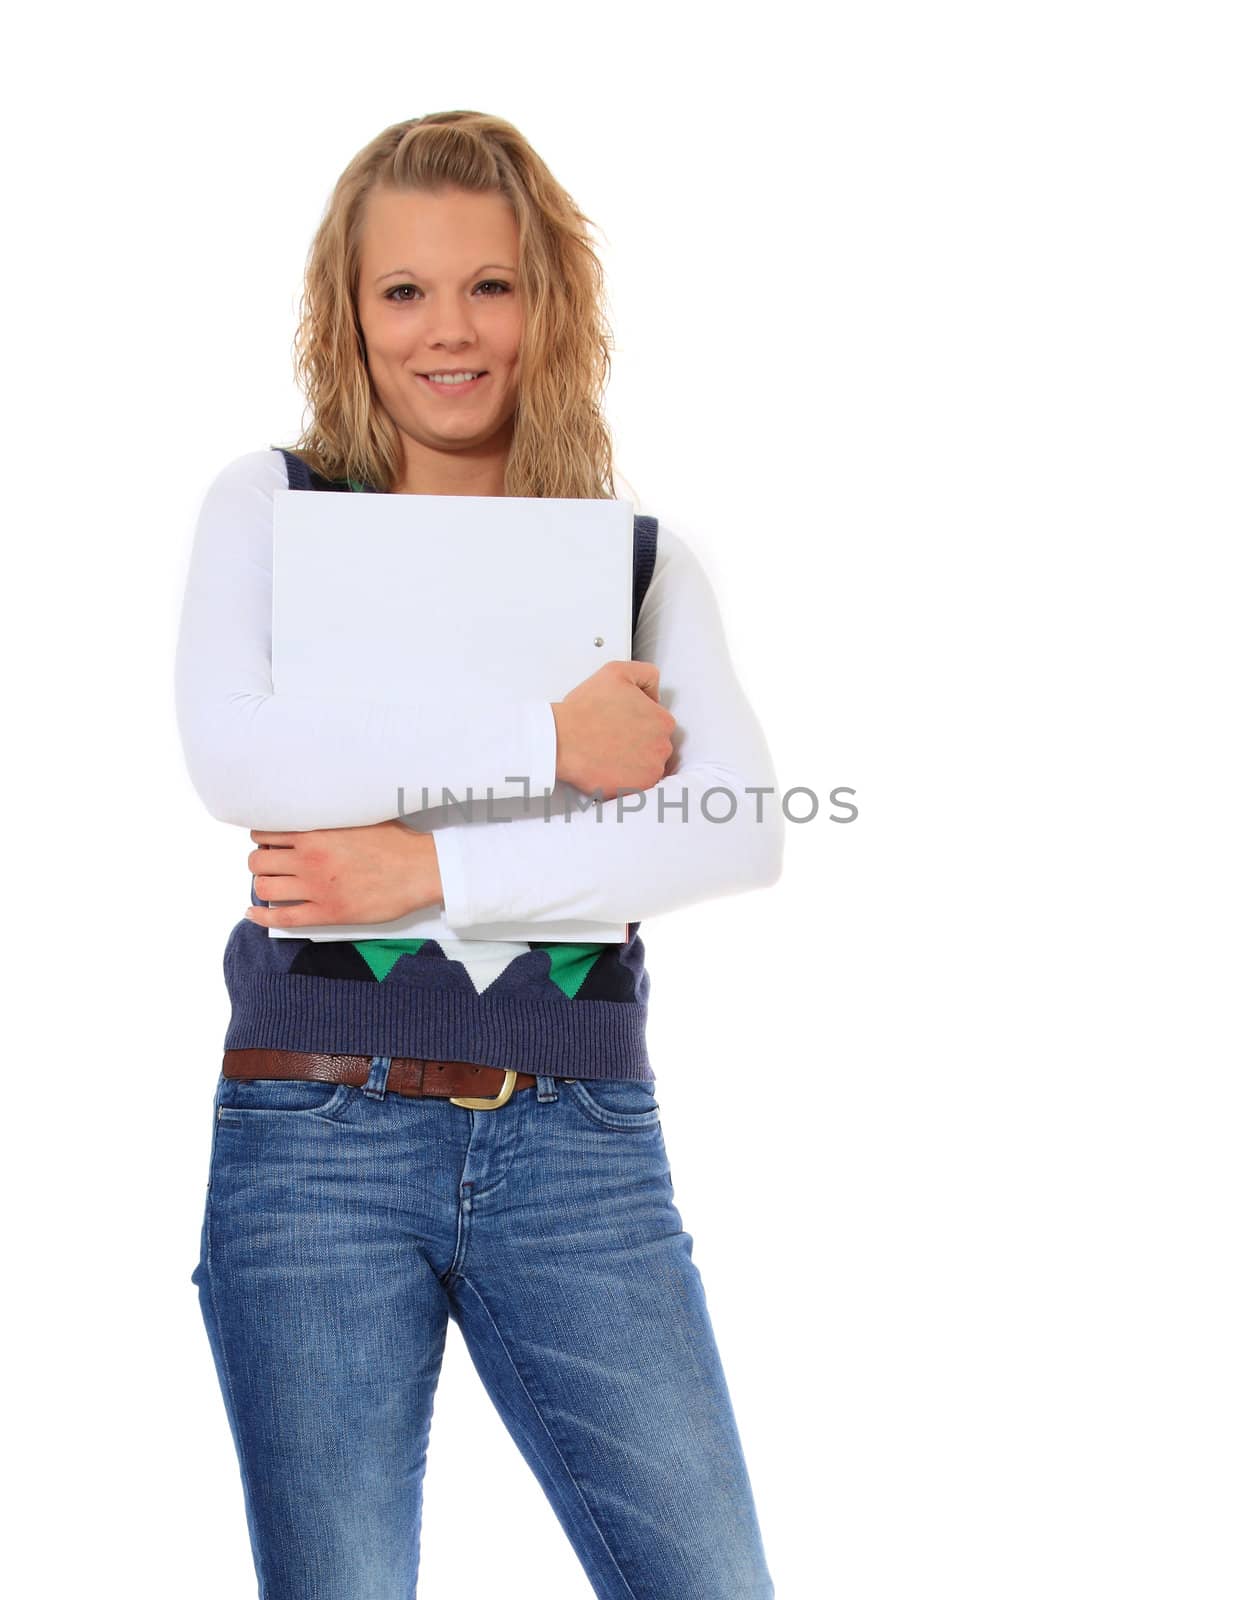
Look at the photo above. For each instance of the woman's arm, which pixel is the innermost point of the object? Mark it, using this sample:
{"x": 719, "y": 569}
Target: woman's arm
{"x": 601, "y": 866}
{"x": 269, "y": 761}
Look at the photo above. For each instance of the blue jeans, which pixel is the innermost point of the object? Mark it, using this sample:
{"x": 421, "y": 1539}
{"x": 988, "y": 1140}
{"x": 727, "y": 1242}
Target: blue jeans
{"x": 342, "y": 1226}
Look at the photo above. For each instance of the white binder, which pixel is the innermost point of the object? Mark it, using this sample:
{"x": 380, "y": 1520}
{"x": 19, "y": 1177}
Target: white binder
{"x": 500, "y": 596}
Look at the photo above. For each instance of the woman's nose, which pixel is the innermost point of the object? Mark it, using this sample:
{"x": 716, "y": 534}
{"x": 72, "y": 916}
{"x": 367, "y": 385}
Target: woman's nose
{"x": 448, "y": 324}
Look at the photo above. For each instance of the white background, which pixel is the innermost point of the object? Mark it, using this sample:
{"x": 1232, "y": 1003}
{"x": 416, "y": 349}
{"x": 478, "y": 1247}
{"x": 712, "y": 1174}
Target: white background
{"x": 930, "y": 336}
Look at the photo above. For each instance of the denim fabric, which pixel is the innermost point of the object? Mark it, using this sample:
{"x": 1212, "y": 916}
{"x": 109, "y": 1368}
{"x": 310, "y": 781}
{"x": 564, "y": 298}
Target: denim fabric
{"x": 344, "y": 1224}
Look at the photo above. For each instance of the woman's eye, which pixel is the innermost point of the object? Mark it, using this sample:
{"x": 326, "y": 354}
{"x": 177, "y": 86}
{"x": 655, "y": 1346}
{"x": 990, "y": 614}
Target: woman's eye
{"x": 488, "y": 283}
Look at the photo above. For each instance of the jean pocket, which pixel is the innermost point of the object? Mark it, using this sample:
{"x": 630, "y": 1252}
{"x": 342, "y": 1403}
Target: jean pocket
{"x": 619, "y": 1103}
{"x": 280, "y": 1099}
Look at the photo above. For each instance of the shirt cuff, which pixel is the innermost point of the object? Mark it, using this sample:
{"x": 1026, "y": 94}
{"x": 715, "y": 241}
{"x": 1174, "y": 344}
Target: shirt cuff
{"x": 451, "y": 869}
{"x": 542, "y": 741}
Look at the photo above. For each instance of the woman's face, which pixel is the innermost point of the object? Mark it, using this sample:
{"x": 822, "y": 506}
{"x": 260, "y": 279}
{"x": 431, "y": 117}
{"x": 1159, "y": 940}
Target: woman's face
{"x": 439, "y": 292}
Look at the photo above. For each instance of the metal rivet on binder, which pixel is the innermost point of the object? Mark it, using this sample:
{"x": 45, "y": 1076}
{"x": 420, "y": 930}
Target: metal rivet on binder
{"x": 599, "y": 641}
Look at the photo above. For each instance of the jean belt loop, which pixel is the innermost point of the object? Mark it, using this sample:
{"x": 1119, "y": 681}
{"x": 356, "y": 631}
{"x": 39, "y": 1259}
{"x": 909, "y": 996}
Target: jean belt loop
{"x": 378, "y": 1076}
{"x": 546, "y": 1089}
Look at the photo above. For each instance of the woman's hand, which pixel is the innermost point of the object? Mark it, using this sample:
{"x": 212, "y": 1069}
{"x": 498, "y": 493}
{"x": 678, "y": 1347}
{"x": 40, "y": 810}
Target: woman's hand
{"x": 613, "y": 732}
{"x": 344, "y": 875}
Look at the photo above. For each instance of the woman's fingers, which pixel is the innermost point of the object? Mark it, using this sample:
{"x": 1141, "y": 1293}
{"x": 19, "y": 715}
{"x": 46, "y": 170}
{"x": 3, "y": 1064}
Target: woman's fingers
{"x": 273, "y": 862}
{"x": 271, "y": 887}
{"x": 284, "y": 916}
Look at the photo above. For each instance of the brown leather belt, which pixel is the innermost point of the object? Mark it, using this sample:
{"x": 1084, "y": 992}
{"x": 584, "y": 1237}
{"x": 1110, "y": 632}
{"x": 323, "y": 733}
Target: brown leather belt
{"x": 462, "y": 1082}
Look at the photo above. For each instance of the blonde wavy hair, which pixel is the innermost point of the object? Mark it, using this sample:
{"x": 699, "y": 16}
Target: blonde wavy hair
{"x": 561, "y": 445}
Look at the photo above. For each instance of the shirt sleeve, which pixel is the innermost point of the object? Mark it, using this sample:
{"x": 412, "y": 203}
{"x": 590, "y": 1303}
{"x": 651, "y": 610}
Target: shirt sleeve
{"x": 294, "y": 762}
{"x": 711, "y": 826}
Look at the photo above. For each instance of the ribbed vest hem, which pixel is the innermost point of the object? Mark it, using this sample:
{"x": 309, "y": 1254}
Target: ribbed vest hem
{"x": 337, "y": 1016}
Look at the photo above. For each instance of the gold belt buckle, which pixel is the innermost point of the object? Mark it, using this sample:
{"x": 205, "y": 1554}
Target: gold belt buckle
{"x": 474, "y": 1103}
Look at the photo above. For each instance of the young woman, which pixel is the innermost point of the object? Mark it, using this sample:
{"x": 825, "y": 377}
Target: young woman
{"x": 453, "y": 1125}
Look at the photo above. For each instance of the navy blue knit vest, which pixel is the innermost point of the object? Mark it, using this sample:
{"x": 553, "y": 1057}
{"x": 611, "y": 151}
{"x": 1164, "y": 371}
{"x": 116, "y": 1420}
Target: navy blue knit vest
{"x": 571, "y": 1010}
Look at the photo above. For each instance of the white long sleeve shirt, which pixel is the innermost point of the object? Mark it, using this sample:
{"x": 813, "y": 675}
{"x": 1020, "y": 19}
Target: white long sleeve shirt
{"x": 285, "y": 762}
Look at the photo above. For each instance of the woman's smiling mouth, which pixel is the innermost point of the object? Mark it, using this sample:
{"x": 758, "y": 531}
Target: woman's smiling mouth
{"x": 451, "y": 384}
